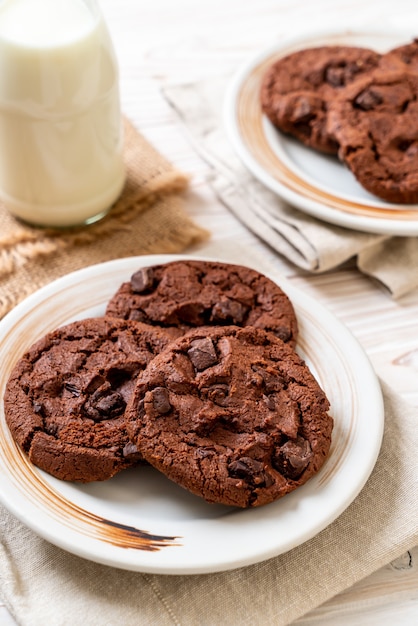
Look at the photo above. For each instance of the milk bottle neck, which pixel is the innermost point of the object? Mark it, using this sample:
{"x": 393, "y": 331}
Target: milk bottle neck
{"x": 61, "y": 53}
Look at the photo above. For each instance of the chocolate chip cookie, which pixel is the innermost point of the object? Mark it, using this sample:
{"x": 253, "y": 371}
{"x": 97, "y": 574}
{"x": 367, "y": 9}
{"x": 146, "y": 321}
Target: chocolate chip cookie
{"x": 403, "y": 58}
{"x": 232, "y": 414}
{"x": 297, "y": 90}
{"x": 66, "y": 397}
{"x": 375, "y": 121}
{"x": 186, "y": 294}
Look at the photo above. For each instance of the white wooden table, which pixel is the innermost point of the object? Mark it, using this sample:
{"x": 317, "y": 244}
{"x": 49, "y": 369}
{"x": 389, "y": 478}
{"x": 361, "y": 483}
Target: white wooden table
{"x": 175, "y": 41}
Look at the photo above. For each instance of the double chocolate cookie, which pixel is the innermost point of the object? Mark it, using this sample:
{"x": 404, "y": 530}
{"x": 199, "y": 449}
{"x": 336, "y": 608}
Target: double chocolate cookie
{"x": 66, "y": 397}
{"x": 186, "y": 294}
{"x": 403, "y": 58}
{"x": 232, "y": 414}
{"x": 375, "y": 122}
{"x": 297, "y": 90}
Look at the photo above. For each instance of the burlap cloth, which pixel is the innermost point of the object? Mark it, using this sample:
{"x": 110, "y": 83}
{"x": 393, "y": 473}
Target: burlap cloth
{"x": 148, "y": 218}
{"x": 309, "y": 243}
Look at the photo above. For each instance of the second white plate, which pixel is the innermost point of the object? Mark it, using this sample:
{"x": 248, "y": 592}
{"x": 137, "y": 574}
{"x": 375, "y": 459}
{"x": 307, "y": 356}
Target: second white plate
{"x": 315, "y": 183}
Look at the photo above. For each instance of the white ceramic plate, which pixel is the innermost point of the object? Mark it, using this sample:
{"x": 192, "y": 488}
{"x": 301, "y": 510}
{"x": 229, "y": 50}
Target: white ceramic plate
{"x": 139, "y": 520}
{"x": 313, "y": 182}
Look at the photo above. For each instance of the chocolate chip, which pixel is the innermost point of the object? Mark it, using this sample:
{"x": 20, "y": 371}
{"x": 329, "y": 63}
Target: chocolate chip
{"x": 51, "y": 429}
{"x": 282, "y": 333}
{"x": 249, "y": 469}
{"x": 272, "y": 381}
{"x": 203, "y": 453}
{"x": 104, "y": 404}
{"x": 270, "y": 403}
{"x": 137, "y": 315}
{"x": 202, "y": 354}
{"x": 227, "y": 309}
{"x": 256, "y": 380}
{"x": 342, "y": 74}
{"x": 37, "y": 407}
{"x": 404, "y": 144}
{"x": 412, "y": 150}
{"x": 268, "y": 479}
{"x": 335, "y": 76}
{"x": 130, "y": 449}
{"x": 111, "y": 405}
{"x": 293, "y": 457}
{"x": 218, "y": 394}
{"x": 141, "y": 409}
{"x": 142, "y": 280}
{"x": 161, "y": 401}
{"x": 367, "y": 100}
{"x": 75, "y": 391}
{"x": 304, "y": 129}
{"x": 302, "y": 111}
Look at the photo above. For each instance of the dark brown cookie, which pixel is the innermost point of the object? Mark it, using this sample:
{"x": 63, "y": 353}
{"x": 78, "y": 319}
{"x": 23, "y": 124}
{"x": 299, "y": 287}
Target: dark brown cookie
{"x": 66, "y": 397}
{"x": 404, "y": 58}
{"x": 232, "y": 414}
{"x": 187, "y": 294}
{"x": 297, "y": 89}
{"x": 375, "y": 122}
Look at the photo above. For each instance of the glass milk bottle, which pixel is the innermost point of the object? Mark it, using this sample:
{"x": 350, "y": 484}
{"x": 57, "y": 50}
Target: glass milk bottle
{"x": 60, "y": 120}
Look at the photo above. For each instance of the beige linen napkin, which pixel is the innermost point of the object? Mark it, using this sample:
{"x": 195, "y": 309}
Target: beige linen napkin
{"x": 41, "y": 584}
{"x": 309, "y": 243}
{"x": 147, "y": 218}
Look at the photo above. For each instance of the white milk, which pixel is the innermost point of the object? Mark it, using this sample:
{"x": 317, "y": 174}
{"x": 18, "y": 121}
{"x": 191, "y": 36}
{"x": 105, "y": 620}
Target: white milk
{"x": 60, "y": 120}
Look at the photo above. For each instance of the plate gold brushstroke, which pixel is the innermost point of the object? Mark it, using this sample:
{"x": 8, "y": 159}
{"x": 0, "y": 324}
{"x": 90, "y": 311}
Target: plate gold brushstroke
{"x": 31, "y": 482}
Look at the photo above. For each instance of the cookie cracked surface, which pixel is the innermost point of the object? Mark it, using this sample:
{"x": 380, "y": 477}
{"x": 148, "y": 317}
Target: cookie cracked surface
{"x": 232, "y": 414}
{"x": 375, "y": 123}
{"x": 66, "y": 397}
{"x": 184, "y": 294}
{"x": 298, "y": 88}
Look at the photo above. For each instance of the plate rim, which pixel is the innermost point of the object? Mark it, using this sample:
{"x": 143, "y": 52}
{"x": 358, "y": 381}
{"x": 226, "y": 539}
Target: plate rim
{"x": 314, "y": 207}
{"x": 116, "y": 558}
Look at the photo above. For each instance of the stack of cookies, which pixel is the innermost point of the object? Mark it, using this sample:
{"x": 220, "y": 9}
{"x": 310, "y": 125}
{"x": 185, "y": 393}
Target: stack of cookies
{"x": 354, "y": 103}
{"x": 192, "y": 369}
